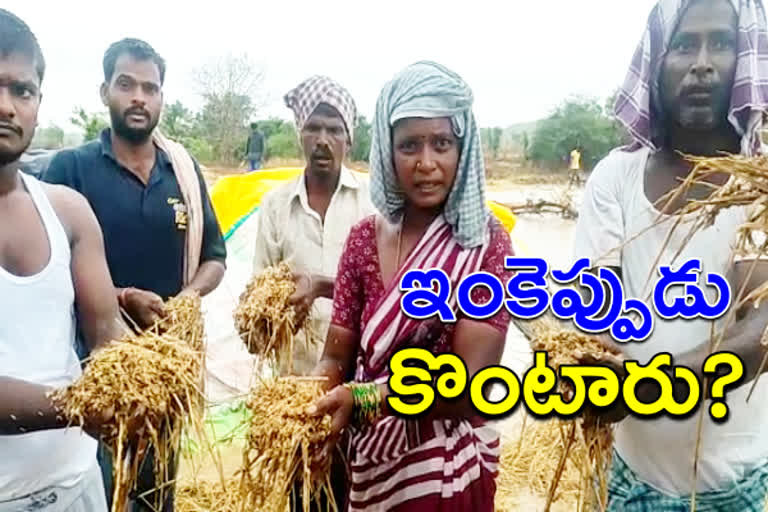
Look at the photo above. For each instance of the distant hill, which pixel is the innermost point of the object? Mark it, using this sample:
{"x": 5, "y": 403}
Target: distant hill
{"x": 519, "y": 128}
{"x": 512, "y": 140}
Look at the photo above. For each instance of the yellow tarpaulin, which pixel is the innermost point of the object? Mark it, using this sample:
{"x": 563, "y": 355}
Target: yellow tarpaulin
{"x": 236, "y": 197}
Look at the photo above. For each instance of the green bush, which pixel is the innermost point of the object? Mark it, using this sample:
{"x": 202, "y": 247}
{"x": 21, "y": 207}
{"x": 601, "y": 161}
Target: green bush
{"x": 92, "y": 123}
{"x": 50, "y": 137}
{"x": 283, "y": 144}
{"x": 575, "y": 123}
{"x": 198, "y": 148}
{"x": 361, "y": 146}
{"x": 491, "y": 138}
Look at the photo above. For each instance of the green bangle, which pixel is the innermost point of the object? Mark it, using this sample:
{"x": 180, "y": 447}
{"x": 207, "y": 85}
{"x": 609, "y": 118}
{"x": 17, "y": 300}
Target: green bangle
{"x": 367, "y": 401}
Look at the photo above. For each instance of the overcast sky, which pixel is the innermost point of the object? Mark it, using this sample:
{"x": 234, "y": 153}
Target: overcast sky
{"x": 521, "y": 57}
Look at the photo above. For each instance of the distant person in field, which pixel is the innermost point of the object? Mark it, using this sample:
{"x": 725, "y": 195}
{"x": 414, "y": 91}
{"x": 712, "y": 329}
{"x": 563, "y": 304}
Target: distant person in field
{"x": 698, "y": 85}
{"x": 255, "y": 147}
{"x": 52, "y": 271}
{"x": 162, "y": 237}
{"x": 576, "y": 160}
{"x": 575, "y": 167}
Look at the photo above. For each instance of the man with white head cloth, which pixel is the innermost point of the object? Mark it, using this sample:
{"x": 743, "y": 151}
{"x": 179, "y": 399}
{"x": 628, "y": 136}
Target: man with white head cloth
{"x": 698, "y": 85}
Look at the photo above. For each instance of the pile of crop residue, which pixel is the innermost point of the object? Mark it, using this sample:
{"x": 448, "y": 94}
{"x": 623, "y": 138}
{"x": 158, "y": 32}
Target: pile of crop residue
{"x": 149, "y": 382}
{"x": 265, "y": 320}
{"x": 205, "y": 496}
{"x": 183, "y": 320}
{"x": 283, "y": 440}
{"x": 530, "y": 456}
{"x": 560, "y": 459}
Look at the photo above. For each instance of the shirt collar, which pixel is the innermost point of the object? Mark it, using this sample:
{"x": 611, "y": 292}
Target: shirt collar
{"x": 106, "y": 144}
{"x": 346, "y": 179}
{"x": 108, "y": 152}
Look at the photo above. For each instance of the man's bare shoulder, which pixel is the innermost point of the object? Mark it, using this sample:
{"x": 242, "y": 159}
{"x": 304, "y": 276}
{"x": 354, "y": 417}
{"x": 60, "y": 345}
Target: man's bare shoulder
{"x": 70, "y": 206}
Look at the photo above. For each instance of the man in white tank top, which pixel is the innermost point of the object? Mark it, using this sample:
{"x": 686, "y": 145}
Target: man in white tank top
{"x": 697, "y": 85}
{"x": 51, "y": 260}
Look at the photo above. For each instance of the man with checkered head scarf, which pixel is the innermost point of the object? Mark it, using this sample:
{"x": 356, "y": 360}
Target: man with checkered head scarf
{"x": 305, "y": 222}
{"x": 697, "y": 85}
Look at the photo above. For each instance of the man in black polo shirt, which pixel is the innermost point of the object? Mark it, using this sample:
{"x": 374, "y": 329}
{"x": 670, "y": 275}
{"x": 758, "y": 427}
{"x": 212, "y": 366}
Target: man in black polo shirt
{"x": 155, "y": 218}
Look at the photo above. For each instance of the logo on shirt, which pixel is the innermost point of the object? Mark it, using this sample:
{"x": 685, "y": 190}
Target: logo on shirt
{"x": 180, "y": 212}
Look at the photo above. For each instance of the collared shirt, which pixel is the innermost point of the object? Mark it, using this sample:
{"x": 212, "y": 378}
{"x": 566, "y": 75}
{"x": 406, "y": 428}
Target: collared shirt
{"x": 290, "y": 230}
{"x": 144, "y": 226}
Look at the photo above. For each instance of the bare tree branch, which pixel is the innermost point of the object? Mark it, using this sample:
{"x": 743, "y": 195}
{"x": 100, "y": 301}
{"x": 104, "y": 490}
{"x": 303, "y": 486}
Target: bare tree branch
{"x": 232, "y": 87}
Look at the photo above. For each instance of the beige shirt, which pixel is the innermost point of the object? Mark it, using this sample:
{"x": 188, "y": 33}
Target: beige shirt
{"x": 289, "y": 230}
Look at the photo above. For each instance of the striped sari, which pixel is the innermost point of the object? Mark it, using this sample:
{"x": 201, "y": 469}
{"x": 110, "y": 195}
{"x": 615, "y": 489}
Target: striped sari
{"x": 397, "y": 464}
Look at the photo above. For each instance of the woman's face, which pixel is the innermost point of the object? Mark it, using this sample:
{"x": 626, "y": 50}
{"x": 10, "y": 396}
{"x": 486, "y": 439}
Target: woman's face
{"x": 426, "y": 157}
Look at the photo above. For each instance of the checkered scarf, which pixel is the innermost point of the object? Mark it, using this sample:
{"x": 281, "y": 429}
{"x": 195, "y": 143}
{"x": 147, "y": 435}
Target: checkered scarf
{"x": 638, "y": 103}
{"x": 306, "y": 96}
{"x": 428, "y": 90}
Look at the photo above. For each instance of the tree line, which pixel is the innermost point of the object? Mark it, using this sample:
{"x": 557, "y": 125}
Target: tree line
{"x": 232, "y": 94}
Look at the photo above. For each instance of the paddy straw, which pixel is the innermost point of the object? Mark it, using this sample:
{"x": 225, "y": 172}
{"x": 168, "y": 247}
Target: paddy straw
{"x": 206, "y": 496}
{"x": 560, "y": 461}
{"x": 529, "y": 462}
{"x": 282, "y": 441}
{"x": 265, "y": 320}
{"x": 150, "y": 379}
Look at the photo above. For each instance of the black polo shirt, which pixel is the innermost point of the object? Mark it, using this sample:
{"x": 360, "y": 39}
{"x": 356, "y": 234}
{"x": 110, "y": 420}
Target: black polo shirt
{"x": 144, "y": 237}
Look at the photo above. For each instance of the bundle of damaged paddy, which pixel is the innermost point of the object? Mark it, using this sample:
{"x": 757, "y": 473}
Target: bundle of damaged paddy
{"x": 183, "y": 320}
{"x": 148, "y": 382}
{"x": 559, "y": 459}
{"x": 746, "y": 186}
{"x": 282, "y": 442}
{"x": 264, "y": 319}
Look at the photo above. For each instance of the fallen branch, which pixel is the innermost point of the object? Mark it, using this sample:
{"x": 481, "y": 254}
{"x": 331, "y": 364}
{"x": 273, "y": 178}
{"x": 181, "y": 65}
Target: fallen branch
{"x": 566, "y": 210}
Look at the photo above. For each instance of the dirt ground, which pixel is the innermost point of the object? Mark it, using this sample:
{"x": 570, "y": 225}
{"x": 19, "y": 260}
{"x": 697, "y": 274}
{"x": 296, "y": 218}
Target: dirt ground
{"x": 203, "y": 466}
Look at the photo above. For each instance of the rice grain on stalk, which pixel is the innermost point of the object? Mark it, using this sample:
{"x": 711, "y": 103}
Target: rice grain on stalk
{"x": 563, "y": 458}
{"x": 282, "y": 441}
{"x": 264, "y": 319}
{"x": 149, "y": 379}
{"x": 184, "y": 320}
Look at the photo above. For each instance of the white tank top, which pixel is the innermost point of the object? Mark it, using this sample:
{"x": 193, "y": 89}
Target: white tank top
{"x": 37, "y": 333}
